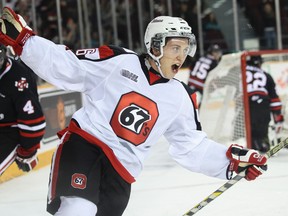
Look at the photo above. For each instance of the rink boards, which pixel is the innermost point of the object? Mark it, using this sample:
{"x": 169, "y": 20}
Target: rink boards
{"x": 58, "y": 107}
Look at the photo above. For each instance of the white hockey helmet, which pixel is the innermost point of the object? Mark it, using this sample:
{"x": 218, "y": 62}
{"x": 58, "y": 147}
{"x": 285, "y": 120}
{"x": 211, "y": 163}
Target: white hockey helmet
{"x": 162, "y": 27}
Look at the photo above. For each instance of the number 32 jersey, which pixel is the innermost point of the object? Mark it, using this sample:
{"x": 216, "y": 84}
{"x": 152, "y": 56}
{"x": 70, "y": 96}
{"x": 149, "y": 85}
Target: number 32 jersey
{"x": 128, "y": 106}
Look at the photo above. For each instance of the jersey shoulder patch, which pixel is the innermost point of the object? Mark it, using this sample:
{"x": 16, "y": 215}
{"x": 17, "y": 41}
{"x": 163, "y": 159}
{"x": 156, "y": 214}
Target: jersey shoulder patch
{"x": 20, "y": 78}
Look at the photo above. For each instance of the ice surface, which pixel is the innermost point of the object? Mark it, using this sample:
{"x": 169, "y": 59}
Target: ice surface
{"x": 166, "y": 189}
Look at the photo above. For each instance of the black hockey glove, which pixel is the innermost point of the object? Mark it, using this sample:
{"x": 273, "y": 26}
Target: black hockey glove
{"x": 245, "y": 159}
{"x": 14, "y": 30}
{"x": 26, "y": 159}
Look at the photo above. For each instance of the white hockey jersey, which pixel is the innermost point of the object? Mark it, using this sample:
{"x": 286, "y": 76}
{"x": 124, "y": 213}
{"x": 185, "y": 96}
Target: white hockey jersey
{"x": 127, "y": 105}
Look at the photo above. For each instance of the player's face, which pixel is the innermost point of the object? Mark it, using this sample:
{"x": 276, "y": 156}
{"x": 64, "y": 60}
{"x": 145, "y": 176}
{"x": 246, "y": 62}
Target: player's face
{"x": 217, "y": 55}
{"x": 174, "y": 54}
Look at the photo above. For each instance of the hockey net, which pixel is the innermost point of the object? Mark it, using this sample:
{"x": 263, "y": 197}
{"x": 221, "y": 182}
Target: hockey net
{"x": 224, "y": 111}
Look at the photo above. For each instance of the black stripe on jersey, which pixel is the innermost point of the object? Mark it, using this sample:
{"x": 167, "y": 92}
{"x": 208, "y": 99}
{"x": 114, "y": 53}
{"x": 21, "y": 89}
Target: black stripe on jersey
{"x": 118, "y": 50}
{"x": 190, "y": 93}
{"x": 152, "y": 76}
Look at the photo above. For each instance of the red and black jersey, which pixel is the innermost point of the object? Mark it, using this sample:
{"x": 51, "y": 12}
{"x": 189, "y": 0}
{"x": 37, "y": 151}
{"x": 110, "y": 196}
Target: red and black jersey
{"x": 20, "y": 107}
{"x": 261, "y": 87}
{"x": 200, "y": 71}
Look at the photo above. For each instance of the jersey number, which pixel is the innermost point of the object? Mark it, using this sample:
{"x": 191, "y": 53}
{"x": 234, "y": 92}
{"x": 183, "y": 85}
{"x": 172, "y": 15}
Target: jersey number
{"x": 255, "y": 81}
{"x": 200, "y": 70}
{"x": 134, "y": 117}
{"x": 28, "y": 107}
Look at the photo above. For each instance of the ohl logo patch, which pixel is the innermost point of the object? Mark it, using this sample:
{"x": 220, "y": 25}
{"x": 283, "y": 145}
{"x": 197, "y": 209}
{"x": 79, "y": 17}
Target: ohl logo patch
{"x": 134, "y": 117}
{"x": 21, "y": 84}
{"x": 79, "y": 181}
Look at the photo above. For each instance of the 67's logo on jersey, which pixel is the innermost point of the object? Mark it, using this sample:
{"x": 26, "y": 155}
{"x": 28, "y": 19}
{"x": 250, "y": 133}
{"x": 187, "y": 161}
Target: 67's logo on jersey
{"x": 134, "y": 117}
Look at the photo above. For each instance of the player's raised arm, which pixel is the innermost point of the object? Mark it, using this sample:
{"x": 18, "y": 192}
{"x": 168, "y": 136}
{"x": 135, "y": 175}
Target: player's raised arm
{"x": 41, "y": 54}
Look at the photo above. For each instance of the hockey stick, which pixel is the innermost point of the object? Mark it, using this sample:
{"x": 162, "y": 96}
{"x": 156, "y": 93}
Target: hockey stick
{"x": 232, "y": 182}
{"x": 8, "y": 161}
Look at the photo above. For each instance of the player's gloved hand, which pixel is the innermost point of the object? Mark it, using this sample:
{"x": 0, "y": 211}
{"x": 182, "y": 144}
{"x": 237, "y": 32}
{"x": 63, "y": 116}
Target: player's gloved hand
{"x": 14, "y": 30}
{"x": 26, "y": 159}
{"x": 278, "y": 119}
{"x": 249, "y": 160}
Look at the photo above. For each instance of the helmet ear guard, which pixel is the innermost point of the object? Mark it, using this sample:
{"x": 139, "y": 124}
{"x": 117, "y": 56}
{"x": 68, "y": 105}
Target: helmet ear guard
{"x": 156, "y": 43}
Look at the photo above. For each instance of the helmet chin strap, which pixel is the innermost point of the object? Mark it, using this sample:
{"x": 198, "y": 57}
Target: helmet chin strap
{"x": 157, "y": 62}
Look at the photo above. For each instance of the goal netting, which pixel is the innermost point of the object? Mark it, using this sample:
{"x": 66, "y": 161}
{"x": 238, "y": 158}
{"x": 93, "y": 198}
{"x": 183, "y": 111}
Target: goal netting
{"x": 223, "y": 111}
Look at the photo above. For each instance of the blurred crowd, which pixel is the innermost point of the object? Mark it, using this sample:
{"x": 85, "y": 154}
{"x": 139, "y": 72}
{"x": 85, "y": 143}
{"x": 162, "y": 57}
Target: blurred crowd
{"x": 262, "y": 17}
{"x": 260, "y": 13}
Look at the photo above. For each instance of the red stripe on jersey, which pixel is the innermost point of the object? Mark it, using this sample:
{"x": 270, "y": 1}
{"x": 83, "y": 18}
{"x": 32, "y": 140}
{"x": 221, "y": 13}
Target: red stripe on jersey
{"x": 274, "y": 100}
{"x": 32, "y": 121}
{"x": 197, "y": 80}
{"x": 55, "y": 171}
{"x": 105, "y": 51}
{"x": 8, "y": 124}
{"x": 153, "y": 78}
{"x": 194, "y": 99}
{"x": 273, "y": 104}
{"x": 32, "y": 135}
{"x": 256, "y": 93}
{"x": 108, "y": 152}
{"x": 276, "y": 108}
{"x": 27, "y": 152}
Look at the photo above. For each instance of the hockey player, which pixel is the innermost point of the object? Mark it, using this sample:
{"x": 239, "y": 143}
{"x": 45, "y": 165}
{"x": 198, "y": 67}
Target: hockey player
{"x": 263, "y": 101}
{"x": 203, "y": 66}
{"x": 22, "y": 123}
{"x": 131, "y": 101}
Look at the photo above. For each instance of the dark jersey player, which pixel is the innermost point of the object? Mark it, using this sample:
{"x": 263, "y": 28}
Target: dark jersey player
{"x": 22, "y": 123}
{"x": 203, "y": 66}
{"x": 263, "y": 101}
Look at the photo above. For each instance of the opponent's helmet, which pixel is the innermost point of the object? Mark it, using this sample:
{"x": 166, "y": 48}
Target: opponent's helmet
{"x": 214, "y": 48}
{"x": 216, "y": 51}
{"x": 163, "y": 27}
{"x": 255, "y": 60}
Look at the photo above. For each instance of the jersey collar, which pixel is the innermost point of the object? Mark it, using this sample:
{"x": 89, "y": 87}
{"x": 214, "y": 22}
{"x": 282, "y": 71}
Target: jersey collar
{"x": 153, "y": 77}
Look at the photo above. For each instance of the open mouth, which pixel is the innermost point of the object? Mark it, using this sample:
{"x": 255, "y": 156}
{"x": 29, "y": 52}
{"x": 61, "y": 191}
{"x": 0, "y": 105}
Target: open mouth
{"x": 175, "y": 67}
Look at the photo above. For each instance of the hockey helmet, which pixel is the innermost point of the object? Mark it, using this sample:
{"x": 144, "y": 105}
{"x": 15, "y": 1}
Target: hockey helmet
{"x": 163, "y": 27}
{"x": 254, "y": 60}
{"x": 214, "y": 48}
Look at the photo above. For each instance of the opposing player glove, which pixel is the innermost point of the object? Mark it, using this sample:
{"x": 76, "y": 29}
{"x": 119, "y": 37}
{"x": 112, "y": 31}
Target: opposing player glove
{"x": 26, "y": 159}
{"x": 14, "y": 30}
{"x": 245, "y": 159}
{"x": 278, "y": 119}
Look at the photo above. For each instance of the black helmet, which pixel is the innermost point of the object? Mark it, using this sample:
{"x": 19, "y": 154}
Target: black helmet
{"x": 214, "y": 48}
{"x": 254, "y": 60}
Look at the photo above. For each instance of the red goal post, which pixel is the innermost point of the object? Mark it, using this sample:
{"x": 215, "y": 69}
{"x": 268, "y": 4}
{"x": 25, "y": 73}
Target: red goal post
{"x": 224, "y": 110}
